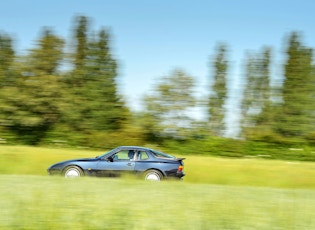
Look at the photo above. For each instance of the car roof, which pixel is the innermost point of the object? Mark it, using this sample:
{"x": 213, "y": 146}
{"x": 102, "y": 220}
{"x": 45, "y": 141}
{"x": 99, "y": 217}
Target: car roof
{"x": 141, "y": 148}
{"x": 133, "y": 147}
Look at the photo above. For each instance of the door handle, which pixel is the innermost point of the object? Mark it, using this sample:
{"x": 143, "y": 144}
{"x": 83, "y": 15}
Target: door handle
{"x": 130, "y": 164}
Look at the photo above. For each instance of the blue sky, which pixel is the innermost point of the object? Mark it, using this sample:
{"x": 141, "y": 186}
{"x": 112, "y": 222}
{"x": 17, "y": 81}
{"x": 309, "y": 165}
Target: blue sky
{"x": 152, "y": 37}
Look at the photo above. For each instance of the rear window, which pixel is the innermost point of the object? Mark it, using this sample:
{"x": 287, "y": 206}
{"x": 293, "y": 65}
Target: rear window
{"x": 142, "y": 155}
{"x": 161, "y": 155}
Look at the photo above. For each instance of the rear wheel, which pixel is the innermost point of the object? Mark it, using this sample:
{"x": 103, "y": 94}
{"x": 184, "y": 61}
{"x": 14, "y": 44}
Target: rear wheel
{"x": 153, "y": 175}
{"x": 73, "y": 171}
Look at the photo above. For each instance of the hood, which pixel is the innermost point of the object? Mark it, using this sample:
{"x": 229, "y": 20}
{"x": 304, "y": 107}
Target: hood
{"x": 61, "y": 163}
{"x": 79, "y": 159}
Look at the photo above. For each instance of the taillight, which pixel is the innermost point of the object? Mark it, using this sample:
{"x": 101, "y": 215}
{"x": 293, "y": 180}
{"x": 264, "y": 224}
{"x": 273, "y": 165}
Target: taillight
{"x": 180, "y": 168}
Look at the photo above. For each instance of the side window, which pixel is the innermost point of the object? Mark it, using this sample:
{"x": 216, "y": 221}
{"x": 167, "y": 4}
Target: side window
{"x": 142, "y": 155}
{"x": 124, "y": 155}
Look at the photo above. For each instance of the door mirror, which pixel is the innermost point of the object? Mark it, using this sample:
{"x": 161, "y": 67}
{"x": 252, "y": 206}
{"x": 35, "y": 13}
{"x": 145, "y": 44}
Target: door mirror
{"x": 110, "y": 159}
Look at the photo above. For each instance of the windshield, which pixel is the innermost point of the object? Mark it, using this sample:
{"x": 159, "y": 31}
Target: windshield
{"x": 161, "y": 155}
{"x": 108, "y": 153}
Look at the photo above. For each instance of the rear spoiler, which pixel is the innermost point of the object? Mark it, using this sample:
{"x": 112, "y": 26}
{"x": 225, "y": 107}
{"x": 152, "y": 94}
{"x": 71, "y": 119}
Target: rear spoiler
{"x": 180, "y": 159}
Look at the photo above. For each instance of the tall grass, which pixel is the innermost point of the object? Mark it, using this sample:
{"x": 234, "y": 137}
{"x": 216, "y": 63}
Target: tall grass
{"x": 199, "y": 169}
{"x": 217, "y": 193}
{"x": 36, "y": 160}
{"x": 39, "y": 202}
{"x": 250, "y": 172}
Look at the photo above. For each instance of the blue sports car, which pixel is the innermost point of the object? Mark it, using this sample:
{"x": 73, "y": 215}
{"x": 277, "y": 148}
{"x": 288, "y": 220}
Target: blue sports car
{"x": 145, "y": 162}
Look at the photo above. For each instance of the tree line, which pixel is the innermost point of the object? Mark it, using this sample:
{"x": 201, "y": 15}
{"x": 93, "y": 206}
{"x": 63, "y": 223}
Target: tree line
{"x": 71, "y": 98}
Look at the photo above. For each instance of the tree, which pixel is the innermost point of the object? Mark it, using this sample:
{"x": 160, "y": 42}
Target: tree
{"x": 49, "y": 55}
{"x": 169, "y": 105}
{"x": 296, "y": 114}
{"x": 257, "y": 94}
{"x": 106, "y": 108}
{"x": 7, "y": 56}
{"x": 94, "y": 99}
{"x": 7, "y": 77}
{"x": 31, "y": 106}
{"x": 81, "y": 38}
{"x": 218, "y": 93}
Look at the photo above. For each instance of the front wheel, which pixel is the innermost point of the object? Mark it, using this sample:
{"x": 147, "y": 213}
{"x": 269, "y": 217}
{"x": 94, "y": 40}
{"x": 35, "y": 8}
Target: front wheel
{"x": 153, "y": 175}
{"x": 73, "y": 171}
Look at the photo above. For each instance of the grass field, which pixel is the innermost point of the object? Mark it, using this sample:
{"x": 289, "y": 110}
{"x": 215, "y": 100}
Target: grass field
{"x": 218, "y": 193}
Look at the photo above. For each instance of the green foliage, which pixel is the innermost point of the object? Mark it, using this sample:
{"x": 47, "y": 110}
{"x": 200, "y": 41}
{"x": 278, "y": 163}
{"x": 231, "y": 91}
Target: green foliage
{"x": 282, "y": 115}
{"x": 108, "y": 111}
{"x": 94, "y": 102}
{"x": 218, "y": 93}
{"x": 30, "y": 106}
{"x": 215, "y": 146}
{"x": 72, "y": 99}
{"x": 47, "y": 57}
{"x": 130, "y": 135}
{"x": 6, "y": 58}
{"x": 297, "y": 110}
{"x": 81, "y": 40}
{"x": 80, "y": 101}
{"x": 256, "y": 113}
{"x": 168, "y": 106}
{"x": 228, "y": 147}
{"x": 31, "y": 109}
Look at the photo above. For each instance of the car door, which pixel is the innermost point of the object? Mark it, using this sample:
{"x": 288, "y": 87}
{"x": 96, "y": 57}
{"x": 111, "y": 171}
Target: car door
{"x": 143, "y": 162}
{"x": 121, "y": 162}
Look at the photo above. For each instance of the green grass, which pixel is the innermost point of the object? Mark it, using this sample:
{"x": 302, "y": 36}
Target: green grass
{"x": 251, "y": 172}
{"x": 39, "y": 202}
{"x": 35, "y": 160}
{"x": 24, "y": 160}
{"x": 217, "y": 193}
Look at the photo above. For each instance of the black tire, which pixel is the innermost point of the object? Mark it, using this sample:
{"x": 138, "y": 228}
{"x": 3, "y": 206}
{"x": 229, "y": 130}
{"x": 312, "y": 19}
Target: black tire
{"x": 72, "y": 172}
{"x": 153, "y": 175}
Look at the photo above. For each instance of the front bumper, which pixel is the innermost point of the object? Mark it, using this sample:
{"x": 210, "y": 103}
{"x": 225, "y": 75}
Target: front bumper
{"x": 52, "y": 172}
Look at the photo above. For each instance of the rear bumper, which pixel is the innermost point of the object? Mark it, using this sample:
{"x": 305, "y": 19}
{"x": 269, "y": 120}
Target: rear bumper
{"x": 180, "y": 174}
